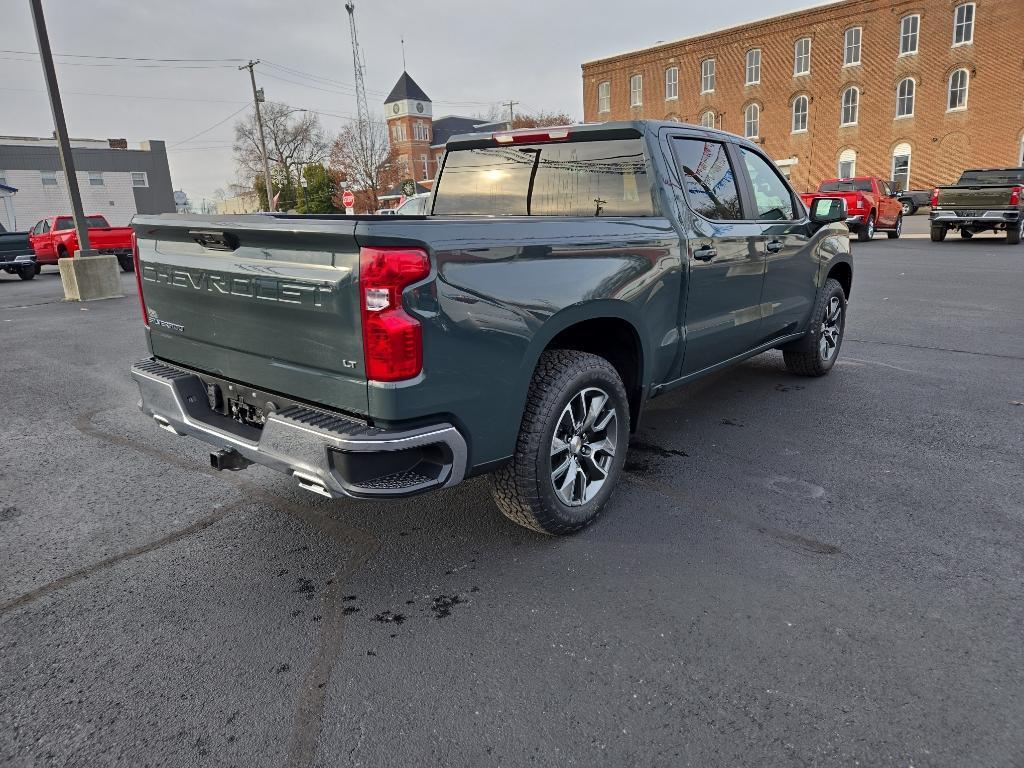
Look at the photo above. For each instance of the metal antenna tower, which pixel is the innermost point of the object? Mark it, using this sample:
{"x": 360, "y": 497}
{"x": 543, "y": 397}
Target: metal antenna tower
{"x": 362, "y": 111}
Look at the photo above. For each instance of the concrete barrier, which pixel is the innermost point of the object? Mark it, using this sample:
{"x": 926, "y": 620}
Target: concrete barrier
{"x": 88, "y": 278}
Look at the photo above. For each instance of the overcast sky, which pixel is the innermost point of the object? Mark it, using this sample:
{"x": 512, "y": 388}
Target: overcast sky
{"x": 466, "y": 55}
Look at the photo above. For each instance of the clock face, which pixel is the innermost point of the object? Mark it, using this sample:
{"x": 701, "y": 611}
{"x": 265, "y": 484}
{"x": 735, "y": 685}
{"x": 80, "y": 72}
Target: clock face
{"x": 419, "y": 107}
{"x": 395, "y": 109}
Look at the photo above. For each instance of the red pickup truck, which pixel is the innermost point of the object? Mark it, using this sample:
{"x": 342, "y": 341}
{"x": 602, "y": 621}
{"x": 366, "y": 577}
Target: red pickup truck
{"x": 55, "y": 238}
{"x": 872, "y": 205}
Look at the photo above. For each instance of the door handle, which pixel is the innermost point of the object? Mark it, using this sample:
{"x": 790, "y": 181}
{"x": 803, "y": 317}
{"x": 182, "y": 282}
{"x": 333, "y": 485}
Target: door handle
{"x": 705, "y": 253}
{"x": 773, "y": 246}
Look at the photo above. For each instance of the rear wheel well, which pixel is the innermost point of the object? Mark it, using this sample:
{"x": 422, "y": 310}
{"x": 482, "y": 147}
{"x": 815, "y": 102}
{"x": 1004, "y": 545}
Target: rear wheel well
{"x": 844, "y": 275}
{"x": 617, "y": 342}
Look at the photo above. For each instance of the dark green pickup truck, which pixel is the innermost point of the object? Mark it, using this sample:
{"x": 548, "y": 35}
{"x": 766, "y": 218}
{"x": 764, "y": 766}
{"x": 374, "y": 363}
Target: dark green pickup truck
{"x": 982, "y": 200}
{"x": 563, "y": 277}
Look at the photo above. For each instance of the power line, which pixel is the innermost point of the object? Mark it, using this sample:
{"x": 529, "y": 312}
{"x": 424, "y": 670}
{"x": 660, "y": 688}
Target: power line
{"x": 124, "y": 64}
{"x": 206, "y": 130}
{"x": 132, "y": 96}
{"x": 117, "y": 58}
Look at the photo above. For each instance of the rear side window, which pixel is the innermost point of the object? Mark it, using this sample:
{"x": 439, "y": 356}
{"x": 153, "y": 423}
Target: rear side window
{"x": 708, "y": 178}
{"x": 1007, "y": 177}
{"x": 591, "y": 178}
{"x": 772, "y": 196}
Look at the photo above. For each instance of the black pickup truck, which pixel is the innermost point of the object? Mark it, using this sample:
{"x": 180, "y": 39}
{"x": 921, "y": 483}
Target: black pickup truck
{"x": 16, "y": 254}
{"x": 984, "y": 199}
{"x": 564, "y": 277}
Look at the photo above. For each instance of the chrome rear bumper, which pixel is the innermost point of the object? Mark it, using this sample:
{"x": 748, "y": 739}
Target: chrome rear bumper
{"x": 327, "y": 453}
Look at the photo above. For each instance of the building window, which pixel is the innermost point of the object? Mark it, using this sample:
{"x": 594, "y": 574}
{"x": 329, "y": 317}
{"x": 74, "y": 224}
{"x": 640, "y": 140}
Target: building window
{"x": 753, "y": 66}
{"x": 752, "y": 121}
{"x": 1020, "y": 160}
{"x": 3, "y": 177}
{"x": 851, "y": 102}
{"x": 963, "y": 24}
{"x": 901, "y": 167}
{"x": 707, "y": 76}
{"x": 95, "y": 179}
{"x": 909, "y": 28}
{"x": 958, "y": 82}
{"x": 671, "y": 83}
{"x": 636, "y": 90}
{"x": 905, "y": 98}
{"x": 604, "y": 97}
{"x": 425, "y": 163}
{"x": 847, "y": 164}
{"x": 49, "y": 178}
{"x": 802, "y": 57}
{"x": 140, "y": 179}
{"x": 707, "y": 120}
{"x": 800, "y": 104}
{"x": 851, "y": 47}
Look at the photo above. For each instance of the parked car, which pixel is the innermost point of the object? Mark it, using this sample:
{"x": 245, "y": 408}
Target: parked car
{"x": 385, "y": 211}
{"x": 913, "y": 199}
{"x": 565, "y": 277}
{"x": 871, "y": 204}
{"x": 16, "y": 256}
{"x": 414, "y": 206}
{"x": 982, "y": 200}
{"x": 55, "y": 238}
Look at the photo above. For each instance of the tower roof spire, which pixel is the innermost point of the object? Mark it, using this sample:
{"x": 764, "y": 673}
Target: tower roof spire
{"x": 406, "y": 88}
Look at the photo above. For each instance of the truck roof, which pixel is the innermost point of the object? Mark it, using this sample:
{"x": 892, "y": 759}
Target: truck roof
{"x": 611, "y": 129}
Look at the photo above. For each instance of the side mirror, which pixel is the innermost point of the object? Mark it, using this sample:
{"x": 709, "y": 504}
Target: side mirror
{"x": 828, "y": 210}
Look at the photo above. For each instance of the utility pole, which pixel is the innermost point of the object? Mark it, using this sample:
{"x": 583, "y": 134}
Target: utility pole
{"x": 257, "y": 97}
{"x": 67, "y": 162}
{"x": 511, "y": 114}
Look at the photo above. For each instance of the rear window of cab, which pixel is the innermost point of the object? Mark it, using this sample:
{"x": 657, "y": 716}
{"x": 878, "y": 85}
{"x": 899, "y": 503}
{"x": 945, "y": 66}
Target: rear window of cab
{"x": 580, "y": 179}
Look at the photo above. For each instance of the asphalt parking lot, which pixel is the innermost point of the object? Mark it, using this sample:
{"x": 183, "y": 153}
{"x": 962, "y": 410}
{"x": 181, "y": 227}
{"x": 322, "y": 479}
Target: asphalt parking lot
{"x": 794, "y": 572}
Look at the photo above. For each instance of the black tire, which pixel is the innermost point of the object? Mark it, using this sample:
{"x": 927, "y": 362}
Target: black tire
{"x": 62, "y": 252}
{"x": 909, "y": 207}
{"x": 867, "y": 230}
{"x": 524, "y": 489}
{"x": 895, "y": 233}
{"x": 965, "y": 233}
{"x": 806, "y": 357}
{"x": 39, "y": 268}
{"x": 27, "y": 272}
{"x": 938, "y": 233}
{"x": 126, "y": 263}
{"x": 1013, "y": 235}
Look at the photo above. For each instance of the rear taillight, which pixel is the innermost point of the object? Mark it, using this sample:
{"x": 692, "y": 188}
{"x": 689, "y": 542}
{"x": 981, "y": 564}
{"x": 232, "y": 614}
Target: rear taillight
{"x": 392, "y": 340}
{"x": 138, "y": 278}
{"x": 935, "y": 197}
{"x": 1015, "y": 195}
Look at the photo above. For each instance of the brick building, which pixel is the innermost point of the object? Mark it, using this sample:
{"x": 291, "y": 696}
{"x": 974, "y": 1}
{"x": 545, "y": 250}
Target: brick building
{"x": 417, "y": 137}
{"x": 914, "y": 90}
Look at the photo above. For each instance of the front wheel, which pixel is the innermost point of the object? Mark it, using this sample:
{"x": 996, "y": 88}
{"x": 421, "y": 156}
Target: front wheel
{"x": 895, "y": 233}
{"x": 909, "y": 209}
{"x": 816, "y": 353}
{"x": 938, "y": 233}
{"x": 1014, "y": 233}
{"x": 867, "y": 231}
{"x": 571, "y": 446}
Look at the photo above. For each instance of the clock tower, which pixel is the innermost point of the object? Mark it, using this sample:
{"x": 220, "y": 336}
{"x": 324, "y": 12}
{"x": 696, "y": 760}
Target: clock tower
{"x": 409, "y": 116}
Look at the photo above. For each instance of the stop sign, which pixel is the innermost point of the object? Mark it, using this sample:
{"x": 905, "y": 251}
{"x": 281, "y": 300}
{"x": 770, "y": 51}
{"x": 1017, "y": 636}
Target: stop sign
{"x": 348, "y": 199}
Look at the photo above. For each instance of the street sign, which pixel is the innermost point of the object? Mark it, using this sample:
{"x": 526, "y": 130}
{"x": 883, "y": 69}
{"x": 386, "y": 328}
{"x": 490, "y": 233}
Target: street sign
{"x": 348, "y": 199}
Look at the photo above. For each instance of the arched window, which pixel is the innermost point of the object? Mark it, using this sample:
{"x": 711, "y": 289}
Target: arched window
{"x": 752, "y": 121}
{"x": 905, "y": 97}
{"x": 1020, "y": 160}
{"x": 851, "y": 104}
{"x": 958, "y": 84}
{"x": 800, "y": 105}
{"x": 708, "y": 119}
{"x": 847, "y": 164}
{"x": 901, "y": 166}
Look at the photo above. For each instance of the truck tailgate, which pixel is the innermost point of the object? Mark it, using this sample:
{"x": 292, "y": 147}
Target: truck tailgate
{"x": 975, "y": 197}
{"x": 110, "y": 237}
{"x": 266, "y": 301}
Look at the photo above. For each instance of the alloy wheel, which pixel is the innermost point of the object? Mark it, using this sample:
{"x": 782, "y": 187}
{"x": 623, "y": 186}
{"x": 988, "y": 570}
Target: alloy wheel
{"x": 831, "y": 327}
{"x": 871, "y": 227}
{"x": 583, "y": 446}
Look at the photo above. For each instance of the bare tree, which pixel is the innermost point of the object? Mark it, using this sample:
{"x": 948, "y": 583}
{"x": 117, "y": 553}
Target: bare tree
{"x": 294, "y": 138}
{"x": 362, "y": 156}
